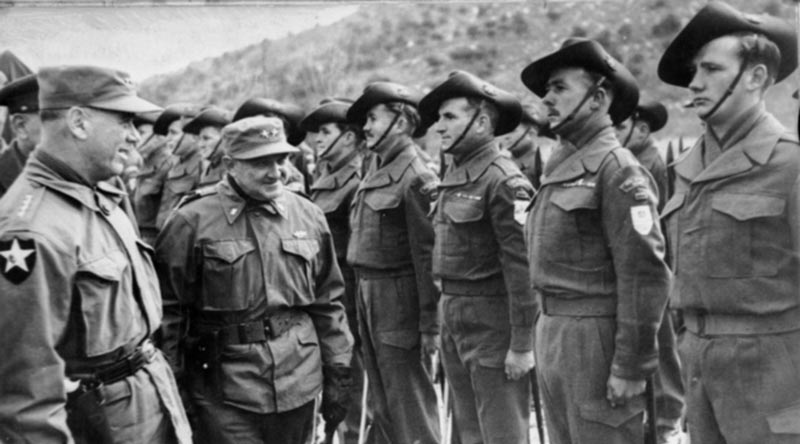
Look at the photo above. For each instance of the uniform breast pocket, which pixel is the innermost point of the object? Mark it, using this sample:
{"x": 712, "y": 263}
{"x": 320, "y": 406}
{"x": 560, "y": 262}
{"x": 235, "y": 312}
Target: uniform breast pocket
{"x": 461, "y": 227}
{"x": 574, "y": 226}
{"x": 388, "y": 217}
{"x": 742, "y": 235}
{"x": 300, "y": 266}
{"x": 227, "y": 274}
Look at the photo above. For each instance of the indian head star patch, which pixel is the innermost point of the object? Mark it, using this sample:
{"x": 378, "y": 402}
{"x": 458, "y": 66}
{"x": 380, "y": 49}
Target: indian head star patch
{"x": 17, "y": 258}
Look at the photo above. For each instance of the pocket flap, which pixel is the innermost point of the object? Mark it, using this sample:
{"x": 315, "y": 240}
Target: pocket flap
{"x": 109, "y": 267}
{"x": 460, "y": 211}
{"x": 382, "y": 199}
{"x": 228, "y": 251}
{"x": 305, "y": 248}
{"x": 748, "y": 206}
{"x": 599, "y": 410}
{"x": 673, "y": 204}
{"x": 786, "y": 421}
{"x": 575, "y": 198}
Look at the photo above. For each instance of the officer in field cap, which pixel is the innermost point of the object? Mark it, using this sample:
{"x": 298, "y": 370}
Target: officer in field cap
{"x": 733, "y": 226}
{"x": 338, "y": 173}
{"x": 79, "y": 292}
{"x": 487, "y": 308}
{"x": 207, "y": 126}
{"x": 251, "y": 269}
{"x": 21, "y": 97}
{"x": 596, "y": 253}
{"x": 390, "y": 248}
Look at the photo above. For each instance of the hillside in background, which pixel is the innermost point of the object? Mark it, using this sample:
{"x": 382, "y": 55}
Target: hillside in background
{"x": 419, "y": 44}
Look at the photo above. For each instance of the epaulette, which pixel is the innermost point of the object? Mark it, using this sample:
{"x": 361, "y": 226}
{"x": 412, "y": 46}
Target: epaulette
{"x": 197, "y": 194}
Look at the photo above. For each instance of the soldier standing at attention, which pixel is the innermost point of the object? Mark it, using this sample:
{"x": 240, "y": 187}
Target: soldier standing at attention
{"x": 78, "y": 289}
{"x": 390, "y": 248}
{"x": 337, "y": 177}
{"x": 734, "y": 231}
{"x": 487, "y": 307}
{"x": 21, "y": 99}
{"x": 596, "y": 253}
{"x": 253, "y": 320}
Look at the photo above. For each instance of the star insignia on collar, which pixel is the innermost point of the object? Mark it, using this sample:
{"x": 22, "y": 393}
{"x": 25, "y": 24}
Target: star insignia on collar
{"x": 17, "y": 258}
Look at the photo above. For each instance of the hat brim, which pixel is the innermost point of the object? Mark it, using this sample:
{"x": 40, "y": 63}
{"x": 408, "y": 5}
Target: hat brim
{"x": 127, "y": 104}
{"x": 266, "y": 150}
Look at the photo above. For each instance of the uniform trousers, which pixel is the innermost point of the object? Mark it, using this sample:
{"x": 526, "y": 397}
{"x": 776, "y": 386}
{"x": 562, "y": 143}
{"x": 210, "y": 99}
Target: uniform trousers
{"x": 573, "y": 358}
{"x": 488, "y": 407}
{"x": 400, "y": 389}
{"x": 669, "y": 389}
{"x": 742, "y": 389}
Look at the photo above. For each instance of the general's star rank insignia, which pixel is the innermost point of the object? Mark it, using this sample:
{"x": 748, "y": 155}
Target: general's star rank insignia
{"x": 17, "y": 258}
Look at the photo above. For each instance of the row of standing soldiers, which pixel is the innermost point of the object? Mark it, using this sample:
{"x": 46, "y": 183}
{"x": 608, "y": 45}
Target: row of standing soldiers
{"x": 262, "y": 291}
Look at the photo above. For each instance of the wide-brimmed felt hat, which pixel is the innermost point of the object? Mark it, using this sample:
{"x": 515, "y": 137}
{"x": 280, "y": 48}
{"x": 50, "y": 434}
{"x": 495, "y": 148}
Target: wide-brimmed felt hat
{"x": 172, "y": 113}
{"x": 264, "y": 107}
{"x": 464, "y": 84}
{"x": 328, "y": 111}
{"x": 383, "y": 92}
{"x": 716, "y": 20}
{"x": 61, "y": 87}
{"x": 654, "y": 113}
{"x": 591, "y": 56}
{"x": 211, "y": 116}
{"x": 254, "y": 137}
{"x": 21, "y": 95}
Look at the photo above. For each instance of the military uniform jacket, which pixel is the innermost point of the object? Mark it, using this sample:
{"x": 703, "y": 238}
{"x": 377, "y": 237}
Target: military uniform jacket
{"x": 333, "y": 192}
{"x": 78, "y": 290}
{"x": 183, "y": 177}
{"x": 11, "y": 162}
{"x": 478, "y": 237}
{"x": 224, "y": 261}
{"x": 733, "y": 226}
{"x": 150, "y": 186}
{"x": 527, "y": 159}
{"x": 647, "y": 154}
{"x": 390, "y": 225}
{"x": 592, "y": 233}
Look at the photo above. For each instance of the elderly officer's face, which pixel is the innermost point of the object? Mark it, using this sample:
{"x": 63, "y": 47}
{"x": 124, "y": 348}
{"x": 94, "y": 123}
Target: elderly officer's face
{"x": 565, "y": 90}
{"x": 261, "y": 177}
{"x": 112, "y": 139}
{"x": 454, "y": 116}
{"x": 715, "y": 66}
{"x": 378, "y": 120}
{"x": 323, "y": 139}
{"x": 207, "y": 140}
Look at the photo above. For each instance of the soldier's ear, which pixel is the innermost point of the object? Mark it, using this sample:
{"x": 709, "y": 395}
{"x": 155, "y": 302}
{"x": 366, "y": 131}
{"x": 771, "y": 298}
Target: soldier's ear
{"x": 759, "y": 77}
{"x": 78, "y": 122}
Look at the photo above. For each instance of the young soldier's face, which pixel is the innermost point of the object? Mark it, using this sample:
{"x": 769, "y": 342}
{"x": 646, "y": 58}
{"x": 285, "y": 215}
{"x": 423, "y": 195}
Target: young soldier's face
{"x": 454, "y": 116}
{"x": 378, "y": 120}
{"x": 323, "y": 138}
{"x": 715, "y": 67}
{"x": 565, "y": 90}
{"x": 207, "y": 139}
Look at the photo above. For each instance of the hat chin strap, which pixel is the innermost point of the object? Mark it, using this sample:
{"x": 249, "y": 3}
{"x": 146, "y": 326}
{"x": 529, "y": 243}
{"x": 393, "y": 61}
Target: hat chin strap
{"x": 466, "y": 129}
{"x": 386, "y": 133}
{"x": 332, "y": 144}
{"x": 516, "y": 142}
{"x": 571, "y": 116}
{"x": 728, "y": 91}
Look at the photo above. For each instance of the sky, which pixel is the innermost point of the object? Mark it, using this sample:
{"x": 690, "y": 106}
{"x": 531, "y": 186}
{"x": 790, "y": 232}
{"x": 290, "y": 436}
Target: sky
{"x": 149, "y": 40}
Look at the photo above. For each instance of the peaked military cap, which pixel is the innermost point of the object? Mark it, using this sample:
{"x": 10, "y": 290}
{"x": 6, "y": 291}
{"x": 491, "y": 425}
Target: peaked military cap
{"x": 253, "y": 137}
{"x": 211, "y": 116}
{"x": 716, "y": 20}
{"x": 266, "y": 107}
{"x": 654, "y": 113}
{"x": 61, "y": 87}
{"x": 171, "y": 114}
{"x": 589, "y": 55}
{"x": 145, "y": 118}
{"x": 464, "y": 84}
{"x": 328, "y": 111}
{"x": 21, "y": 95}
{"x": 383, "y": 92}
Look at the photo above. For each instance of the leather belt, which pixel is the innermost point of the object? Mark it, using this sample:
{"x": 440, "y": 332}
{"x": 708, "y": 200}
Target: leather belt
{"x": 119, "y": 370}
{"x": 704, "y": 324}
{"x": 258, "y": 331}
{"x": 492, "y": 286}
{"x": 596, "y": 307}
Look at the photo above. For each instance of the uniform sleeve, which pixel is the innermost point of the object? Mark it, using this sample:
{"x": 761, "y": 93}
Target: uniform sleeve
{"x": 33, "y": 319}
{"x": 326, "y": 311}
{"x": 659, "y": 172}
{"x": 643, "y": 279}
{"x": 176, "y": 267}
{"x": 418, "y": 200}
{"x": 507, "y": 205}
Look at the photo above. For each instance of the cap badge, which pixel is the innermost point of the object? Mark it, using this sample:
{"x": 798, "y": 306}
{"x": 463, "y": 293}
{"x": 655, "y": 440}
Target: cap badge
{"x": 609, "y": 62}
{"x": 270, "y": 134}
{"x": 489, "y": 89}
{"x": 401, "y": 92}
{"x": 755, "y": 20}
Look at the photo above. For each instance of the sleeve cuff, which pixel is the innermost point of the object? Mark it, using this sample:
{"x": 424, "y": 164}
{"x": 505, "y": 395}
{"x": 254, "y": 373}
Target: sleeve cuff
{"x": 521, "y": 339}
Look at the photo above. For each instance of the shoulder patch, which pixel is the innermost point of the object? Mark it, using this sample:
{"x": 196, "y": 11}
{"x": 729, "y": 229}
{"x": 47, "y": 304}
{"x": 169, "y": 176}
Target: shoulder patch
{"x": 638, "y": 186}
{"x": 523, "y": 193}
{"x": 17, "y": 259}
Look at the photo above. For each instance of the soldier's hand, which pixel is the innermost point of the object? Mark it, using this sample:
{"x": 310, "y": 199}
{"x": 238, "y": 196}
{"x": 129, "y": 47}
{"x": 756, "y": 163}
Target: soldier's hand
{"x": 337, "y": 391}
{"x": 429, "y": 343}
{"x": 619, "y": 391}
{"x": 518, "y": 364}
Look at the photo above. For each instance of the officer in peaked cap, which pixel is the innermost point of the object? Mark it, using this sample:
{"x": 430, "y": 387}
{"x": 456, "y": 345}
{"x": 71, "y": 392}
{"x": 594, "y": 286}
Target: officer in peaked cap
{"x": 390, "y": 248}
{"x": 251, "y": 268}
{"x": 530, "y": 143}
{"x": 733, "y": 226}
{"x": 207, "y": 126}
{"x": 592, "y": 233}
{"x": 21, "y": 99}
{"x": 487, "y": 308}
{"x": 79, "y": 292}
{"x": 338, "y": 173}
